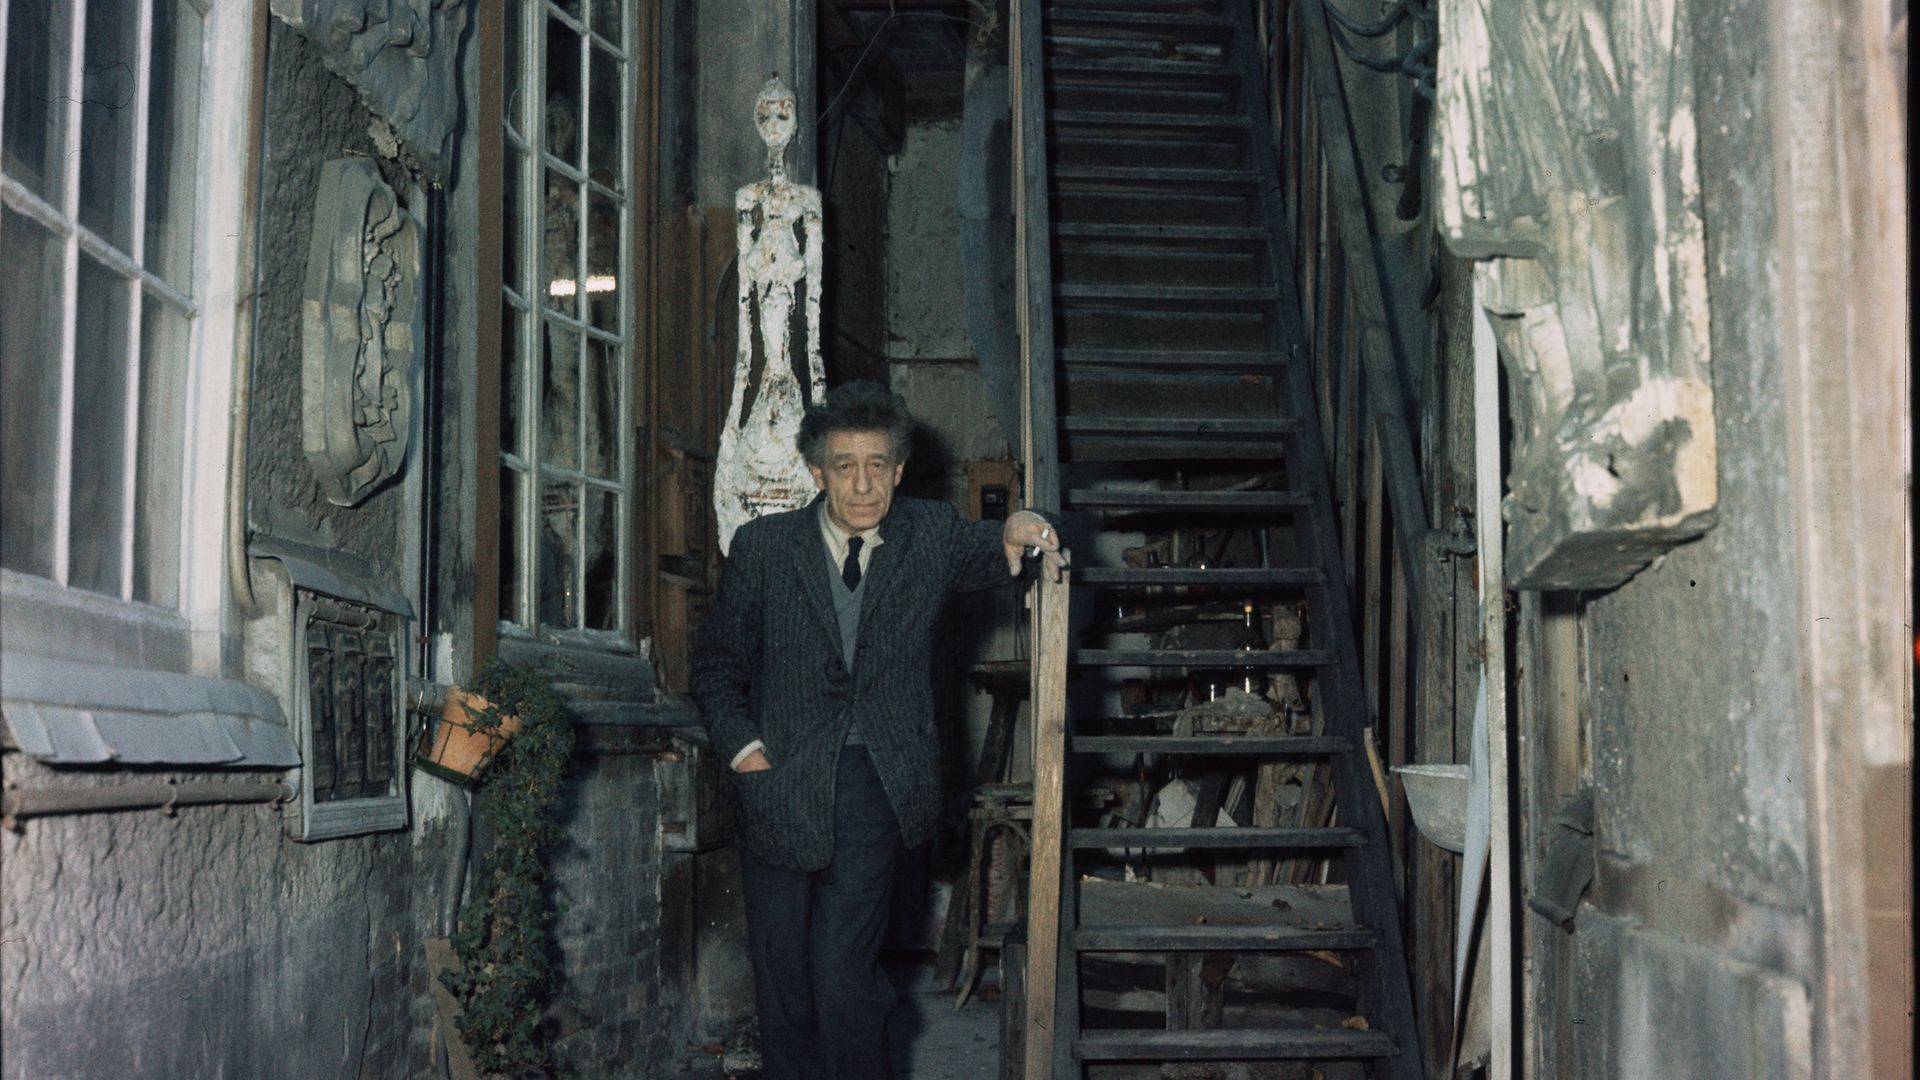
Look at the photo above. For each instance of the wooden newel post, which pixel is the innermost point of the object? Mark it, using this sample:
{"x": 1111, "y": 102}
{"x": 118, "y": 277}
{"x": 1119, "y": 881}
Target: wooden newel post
{"x": 1049, "y": 703}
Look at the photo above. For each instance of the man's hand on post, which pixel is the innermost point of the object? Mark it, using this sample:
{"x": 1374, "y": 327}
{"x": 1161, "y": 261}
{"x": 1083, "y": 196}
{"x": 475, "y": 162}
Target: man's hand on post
{"x": 1026, "y": 531}
{"x": 754, "y": 762}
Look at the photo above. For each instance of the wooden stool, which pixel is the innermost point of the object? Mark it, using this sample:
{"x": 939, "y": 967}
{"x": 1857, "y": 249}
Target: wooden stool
{"x": 1000, "y": 812}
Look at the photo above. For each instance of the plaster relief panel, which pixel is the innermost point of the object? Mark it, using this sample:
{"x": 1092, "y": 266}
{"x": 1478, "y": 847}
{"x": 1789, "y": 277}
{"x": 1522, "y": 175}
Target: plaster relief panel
{"x": 403, "y": 56}
{"x": 360, "y": 333}
{"x": 1565, "y": 158}
{"x": 759, "y": 469}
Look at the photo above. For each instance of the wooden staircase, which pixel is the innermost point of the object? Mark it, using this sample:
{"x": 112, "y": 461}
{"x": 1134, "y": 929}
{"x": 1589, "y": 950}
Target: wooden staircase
{"x": 1159, "y": 331}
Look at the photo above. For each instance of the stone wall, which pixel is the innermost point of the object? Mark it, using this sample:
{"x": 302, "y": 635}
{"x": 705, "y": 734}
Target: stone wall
{"x": 207, "y": 944}
{"x": 609, "y": 1007}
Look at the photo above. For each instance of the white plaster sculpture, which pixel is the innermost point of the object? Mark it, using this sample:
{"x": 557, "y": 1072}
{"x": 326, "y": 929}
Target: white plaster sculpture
{"x": 760, "y": 470}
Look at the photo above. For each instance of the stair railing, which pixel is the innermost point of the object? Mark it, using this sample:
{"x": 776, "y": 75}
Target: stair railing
{"x": 1033, "y": 255}
{"x": 1360, "y": 349}
{"x": 1048, "y": 710}
{"x": 1039, "y": 437}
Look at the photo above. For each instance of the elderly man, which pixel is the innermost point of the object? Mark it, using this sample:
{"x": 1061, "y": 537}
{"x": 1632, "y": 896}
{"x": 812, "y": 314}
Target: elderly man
{"x": 812, "y": 671}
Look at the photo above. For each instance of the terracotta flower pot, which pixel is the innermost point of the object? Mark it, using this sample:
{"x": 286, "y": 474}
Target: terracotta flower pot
{"x": 458, "y": 747}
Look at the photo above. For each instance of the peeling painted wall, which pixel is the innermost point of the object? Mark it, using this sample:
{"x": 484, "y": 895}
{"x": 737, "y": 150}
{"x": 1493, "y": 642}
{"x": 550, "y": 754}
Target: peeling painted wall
{"x": 926, "y": 307}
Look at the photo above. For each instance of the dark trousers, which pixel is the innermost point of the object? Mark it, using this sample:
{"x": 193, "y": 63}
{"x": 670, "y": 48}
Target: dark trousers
{"x": 815, "y": 942}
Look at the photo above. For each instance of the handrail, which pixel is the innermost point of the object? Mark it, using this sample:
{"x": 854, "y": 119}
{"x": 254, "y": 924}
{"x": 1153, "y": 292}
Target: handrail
{"x": 1048, "y": 673}
{"x": 1383, "y": 342}
{"x": 1033, "y": 257}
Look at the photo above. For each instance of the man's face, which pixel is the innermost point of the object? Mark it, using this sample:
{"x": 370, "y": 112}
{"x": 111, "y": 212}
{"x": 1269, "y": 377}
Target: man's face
{"x": 859, "y": 478}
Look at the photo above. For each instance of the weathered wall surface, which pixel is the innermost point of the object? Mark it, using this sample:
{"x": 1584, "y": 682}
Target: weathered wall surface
{"x": 1694, "y": 955}
{"x": 312, "y": 116}
{"x": 737, "y": 45}
{"x": 926, "y": 307}
{"x": 206, "y": 944}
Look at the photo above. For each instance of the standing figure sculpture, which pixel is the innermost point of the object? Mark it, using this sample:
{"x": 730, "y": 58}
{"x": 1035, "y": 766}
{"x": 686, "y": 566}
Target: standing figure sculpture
{"x": 760, "y": 470}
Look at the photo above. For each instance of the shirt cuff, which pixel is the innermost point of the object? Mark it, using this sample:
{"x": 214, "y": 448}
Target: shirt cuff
{"x": 746, "y": 752}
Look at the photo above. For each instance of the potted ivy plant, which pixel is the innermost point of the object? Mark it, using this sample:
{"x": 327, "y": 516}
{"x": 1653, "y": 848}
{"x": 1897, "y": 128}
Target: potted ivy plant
{"x": 504, "y": 936}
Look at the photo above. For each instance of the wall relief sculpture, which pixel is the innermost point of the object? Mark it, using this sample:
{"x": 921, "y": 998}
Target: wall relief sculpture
{"x": 403, "y": 56}
{"x": 759, "y": 469}
{"x": 360, "y": 333}
{"x": 1565, "y": 158}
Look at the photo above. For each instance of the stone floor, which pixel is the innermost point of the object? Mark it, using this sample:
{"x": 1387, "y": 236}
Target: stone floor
{"x": 932, "y": 1040}
{"x": 942, "y": 1043}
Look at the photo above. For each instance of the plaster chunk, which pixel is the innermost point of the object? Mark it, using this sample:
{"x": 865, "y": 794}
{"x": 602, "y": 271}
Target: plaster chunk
{"x": 1565, "y": 157}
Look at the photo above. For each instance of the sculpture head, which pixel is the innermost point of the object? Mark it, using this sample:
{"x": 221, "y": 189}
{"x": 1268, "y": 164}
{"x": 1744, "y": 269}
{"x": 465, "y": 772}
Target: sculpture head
{"x": 776, "y": 114}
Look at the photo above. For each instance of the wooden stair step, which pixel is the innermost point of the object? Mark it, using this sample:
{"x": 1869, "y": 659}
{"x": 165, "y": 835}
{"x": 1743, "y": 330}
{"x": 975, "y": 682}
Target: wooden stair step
{"x": 1215, "y": 838}
{"x": 1172, "y": 360}
{"x": 1059, "y": 14}
{"x": 1205, "y": 658}
{"x": 1189, "y": 294}
{"x": 1250, "y": 745}
{"x": 1212, "y": 938}
{"x": 1151, "y": 174}
{"x": 1181, "y": 575}
{"x": 1068, "y": 44}
{"x": 1133, "y": 65}
{"x": 1150, "y": 426}
{"x": 1119, "y": 498}
{"x": 1233, "y": 1045}
{"x": 1231, "y": 122}
{"x": 1145, "y": 232}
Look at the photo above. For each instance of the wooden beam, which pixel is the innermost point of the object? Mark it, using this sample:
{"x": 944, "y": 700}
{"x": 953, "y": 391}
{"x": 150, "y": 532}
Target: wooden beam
{"x": 1049, "y": 720}
{"x": 489, "y": 149}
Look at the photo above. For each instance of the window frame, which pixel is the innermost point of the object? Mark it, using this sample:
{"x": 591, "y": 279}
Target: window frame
{"x": 525, "y": 461}
{"x": 194, "y": 621}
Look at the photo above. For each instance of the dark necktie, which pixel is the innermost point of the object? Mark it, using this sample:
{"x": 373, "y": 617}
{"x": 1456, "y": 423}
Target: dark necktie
{"x": 850, "y": 572}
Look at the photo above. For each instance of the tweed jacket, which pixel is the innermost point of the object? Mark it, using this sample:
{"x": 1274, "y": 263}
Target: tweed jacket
{"x": 767, "y": 665}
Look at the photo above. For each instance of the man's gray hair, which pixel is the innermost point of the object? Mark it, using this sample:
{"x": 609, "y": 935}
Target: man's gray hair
{"x": 856, "y": 406}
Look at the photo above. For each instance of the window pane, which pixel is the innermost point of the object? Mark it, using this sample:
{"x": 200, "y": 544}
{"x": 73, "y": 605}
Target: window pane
{"x": 603, "y": 262}
{"x": 560, "y": 397}
{"x": 604, "y": 120}
{"x": 30, "y": 313}
{"x": 513, "y": 365}
{"x": 99, "y": 430}
{"x": 163, "y": 421}
{"x": 563, "y": 93}
{"x": 34, "y": 123}
{"x": 560, "y": 249}
{"x": 512, "y": 510}
{"x": 603, "y": 409}
{"x": 571, "y": 7}
{"x": 606, "y": 21}
{"x": 512, "y": 180}
{"x": 513, "y": 64}
{"x": 559, "y": 526}
{"x": 173, "y": 113}
{"x": 603, "y": 537}
{"x": 107, "y": 120}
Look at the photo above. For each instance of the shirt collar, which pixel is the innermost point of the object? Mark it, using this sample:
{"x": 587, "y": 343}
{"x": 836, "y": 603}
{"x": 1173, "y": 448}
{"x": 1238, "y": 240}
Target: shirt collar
{"x": 837, "y": 540}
